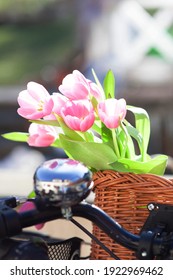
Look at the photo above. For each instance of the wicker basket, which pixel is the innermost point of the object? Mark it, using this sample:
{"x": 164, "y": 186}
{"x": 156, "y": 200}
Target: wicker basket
{"x": 123, "y": 196}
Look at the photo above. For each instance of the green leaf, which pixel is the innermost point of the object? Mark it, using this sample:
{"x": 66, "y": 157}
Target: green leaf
{"x": 134, "y": 133}
{"x": 142, "y": 124}
{"x": 89, "y": 136}
{"x": 97, "y": 81}
{"x": 125, "y": 142}
{"x": 109, "y": 85}
{"x": 56, "y": 143}
{"x": 106, "y": 133}
{"x": 16, "y": 136}
{"x": 75, "y": 135}
{"x": 98, "y": 156}
{"x": 122, "y": 142}
{"x": 32, "y": 194}
{"x": 94, "y": 102}
{"x": 130, "y": 150}
{"x": 155, "y": 165}
{"x": 97, "y": 126}
{"x": 46, "y": 122}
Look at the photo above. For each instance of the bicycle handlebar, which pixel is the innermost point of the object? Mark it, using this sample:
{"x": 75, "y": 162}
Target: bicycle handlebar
{"x": 13, "y": 222}
{"x": 91, "y": 213}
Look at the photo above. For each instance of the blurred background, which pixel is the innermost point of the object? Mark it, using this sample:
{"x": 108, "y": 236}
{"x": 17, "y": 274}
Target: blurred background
{"x": 44, "y": 40}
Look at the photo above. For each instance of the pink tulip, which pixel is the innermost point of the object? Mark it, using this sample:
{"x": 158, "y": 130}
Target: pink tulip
{"x": 96, "y": 91}
{"x": 75, "y": 86}
{"x": 41, "y": 135}
{"x": 35, "y": 102}
{"x": 78, "y": 114}
{"x": 29, "y": 205}
{"x": 59, "y": 101}
{"x": 112, "y": 111}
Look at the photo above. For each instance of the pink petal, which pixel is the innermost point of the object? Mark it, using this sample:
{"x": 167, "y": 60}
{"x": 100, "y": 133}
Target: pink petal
{"x": 112, "y": 111}
{"x": 35, "y": 102}
{"x": 75, "y": 86}
{"x": 36, "y": 90}
{"x": 41, "y": 135}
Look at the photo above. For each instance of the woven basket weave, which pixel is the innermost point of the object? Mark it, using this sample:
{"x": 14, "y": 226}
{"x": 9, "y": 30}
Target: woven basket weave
{"x": 124, "y": 196}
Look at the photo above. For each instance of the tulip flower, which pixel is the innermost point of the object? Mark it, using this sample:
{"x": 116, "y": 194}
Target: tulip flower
{"x": 88, "y": 122}
{"x": 112, "y": 112}
{"x": 75, "y": 86}
{"x": 35, "y": 102}
{"x": 78, "y": 114}
{"x": 59, "y": 101}
{"x": 41, "y": 135}
{"x": 96, "y": 91}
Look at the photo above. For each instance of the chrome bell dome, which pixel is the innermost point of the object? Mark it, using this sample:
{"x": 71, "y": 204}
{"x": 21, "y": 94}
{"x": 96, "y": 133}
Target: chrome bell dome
{"x": 63, "y": 182}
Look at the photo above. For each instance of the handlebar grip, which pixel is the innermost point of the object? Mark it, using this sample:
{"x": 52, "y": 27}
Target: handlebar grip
{"x": 9, "y": 222}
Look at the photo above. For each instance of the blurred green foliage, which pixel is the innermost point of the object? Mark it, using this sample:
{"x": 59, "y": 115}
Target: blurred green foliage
{"x": 26, "y": 49}
{"x": 27, "y": 6}
{"x": 32, "y": 38}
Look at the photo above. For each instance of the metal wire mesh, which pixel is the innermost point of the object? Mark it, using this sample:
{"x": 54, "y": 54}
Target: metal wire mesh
{"x": 64, "y": 250}
{"x": 31, "y": 246}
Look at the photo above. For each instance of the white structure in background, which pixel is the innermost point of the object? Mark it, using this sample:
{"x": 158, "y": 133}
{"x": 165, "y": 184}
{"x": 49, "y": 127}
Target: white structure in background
{"x": 121, "y": 37}
{"x": 139, "y": 31}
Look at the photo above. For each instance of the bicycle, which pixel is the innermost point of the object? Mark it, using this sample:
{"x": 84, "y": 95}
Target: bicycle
{"x": 61, "y": 187}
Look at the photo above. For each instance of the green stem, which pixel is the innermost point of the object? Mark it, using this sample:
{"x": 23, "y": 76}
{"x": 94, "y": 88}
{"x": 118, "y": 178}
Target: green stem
{"x": 127, "y": 137}
{"x": 115, "y": 143}
{"x": 85, "y": 136}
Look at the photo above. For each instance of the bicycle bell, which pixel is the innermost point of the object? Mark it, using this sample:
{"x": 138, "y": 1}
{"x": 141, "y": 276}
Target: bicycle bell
{"x": 62, "y": 182}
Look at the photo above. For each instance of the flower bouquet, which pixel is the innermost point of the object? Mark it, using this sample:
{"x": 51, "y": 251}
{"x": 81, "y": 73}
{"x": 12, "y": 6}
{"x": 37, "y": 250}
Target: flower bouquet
{"x": 89, "y": 123}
